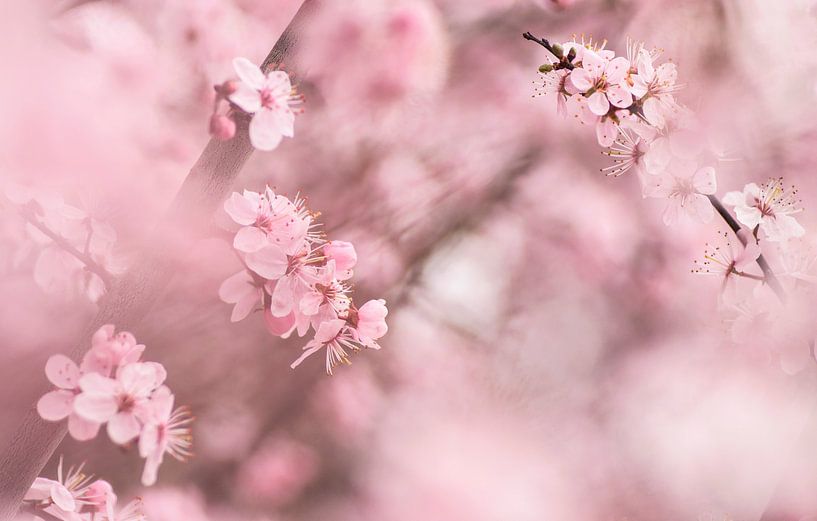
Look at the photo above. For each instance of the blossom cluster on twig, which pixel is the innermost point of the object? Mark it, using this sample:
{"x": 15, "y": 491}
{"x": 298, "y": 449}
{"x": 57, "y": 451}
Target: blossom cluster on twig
{"x": 298, "y": 278}
{"x": 631, "y": 103}
{"x": 113, "y": 387}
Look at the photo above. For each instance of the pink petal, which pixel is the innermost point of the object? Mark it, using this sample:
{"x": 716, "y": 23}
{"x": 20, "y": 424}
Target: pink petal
{"x": 249, "y": 73}
{"x": 249, "y": 239}
{"x": 62, "y": 497}
{"x": 309, "y": 350}
{"x": 282, "y": 298}
{"x": 98, "y": 409}
{"x": 56, "y": 405}
{"x": 658, "y": 156}
{"x": 749, "y": 216}
{"x": 619, "y": 96}
{"x": 705, "y": 181}
{"x": 236, "y": 287}
{"x": 581, "y": 79}
{"x": 672, "y": 212}
{"x": 244, "y": 307}
{"x": 62, "y": 372}
{"x": 593, "y": 63}
{"x": 327, "y": 331}
{"x": 653, "y": 113}
{"x": 97, "y": 384}
{"x": 247, "y": 98}
{"x": 148, "y": 440}
{"x": 241, "y": 209}
{"x": 617, "y": 69}
{"x": 606, "y": 132}
{"x": 702, "y": 208}
{"x": 81, "y": 429}
{"x": 270, "y": 262}
{"x": 279, "y": 326}
{"x": 598, "y": 104}
{"x": 123, "y": 427}
{"x": 265, "y": 130}
{"x": 151, "y": 471}
{"x": 140, "y": 379}
{"x": 278, "y": 81}
{"x": 645, "y": 68}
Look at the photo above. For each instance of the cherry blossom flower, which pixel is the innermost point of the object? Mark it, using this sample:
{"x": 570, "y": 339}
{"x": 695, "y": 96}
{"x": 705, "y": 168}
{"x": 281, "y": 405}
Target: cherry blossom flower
{"x": 326, "y": 299}
{"x": 335, "y": 336}
{"x": 165, "y": 432}
{"x": 59, "y": 404}
{"x": 728, "y": 261}
{"x": 554, "y": 84}
{"x": 769, "y": 207}
{"x": 344, "y": 255}
{"x": 686, "y": 188}
{"x": 270, "y": 98}
{"x": 61, "y": 497}
{"x": 267, "y": 219}
{"x": 242, "y": 290}
{"x": 656, "y": 87}
{"x": 121, "y": 402}
{"x": 603, "y": 80}
{"x": 627, "y": 152}
{"x": 371, "y": 322}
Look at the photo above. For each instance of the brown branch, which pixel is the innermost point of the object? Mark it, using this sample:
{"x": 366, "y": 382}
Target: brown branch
{"x": 132, "y": 296}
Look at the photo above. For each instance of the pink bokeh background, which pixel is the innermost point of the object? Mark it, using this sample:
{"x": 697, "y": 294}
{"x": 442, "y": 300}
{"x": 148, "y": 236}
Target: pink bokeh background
{"x": 550, "y": 355}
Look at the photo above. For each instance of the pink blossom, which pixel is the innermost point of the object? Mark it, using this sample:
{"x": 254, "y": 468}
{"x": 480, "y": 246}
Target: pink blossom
{"x": 121, "y": 402}
{"x": 604, "y": 78}
{"x": 770, "y": 207}
{"x": 270, "y": 99}
{"x": 242, "y": 290}
{"x": 222, "y": 127}
{"x": 326, "y": 299}
{"x": 371, "y": 322}
{"x": 655, "y": 86}
{"x": 344, "y": 255}
{"x": 165, "y": 431}
{"x": 267, "y": 219}
{"x": 336, "y": 338}
{"x": 60, "y": 498}
{"x": 58, "y": 404}
{"x": 729, "y": 260}
{"x": 686, "y": 188}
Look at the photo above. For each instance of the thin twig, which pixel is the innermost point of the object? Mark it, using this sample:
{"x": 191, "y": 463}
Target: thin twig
{"x": 63, "y": 244}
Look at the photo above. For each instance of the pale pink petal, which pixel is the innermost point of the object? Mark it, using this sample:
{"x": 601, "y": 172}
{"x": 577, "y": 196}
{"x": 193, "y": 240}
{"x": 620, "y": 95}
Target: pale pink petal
{"x": 141, "y": 379}
{"x": 278, "y": 81}
{"x": 241, "y": 209}
{"x": 40, "y": 489}
{"x": 309, "y": 350}
{"x": 645, "y": 68}
{"x": 705, "y": 181}
{"x": 619, "y": 96}
{"x": 62, "y": 372}
{"x": 250, "y": 239}
{"x": 667, "y": 73}
{"x": 97, "y": 409}
{"x": 81, "y": 429}
{"x": 606, "y": 132}
{"x": 62, "y": 497}
{"x": 265, "y": 130}
{"x": 598, "y": 104}
{"x": 582, "y": 80}
{"x": 148, "y": 440}
{"x": 151, "y": 471}
{"x": 593, "y": 63}
{"x": 658, "y": 157}
{"x": 749, "y": 216}
{"x": 734, "y": 199}
{"x": 56, "y": 405}
{"x": 702, "y": 208}
{"x": 270, "y": 262}
{"x": 653, "y": 113}
{"x": 327, "y": 331}
{"x": 249, "y": 73}
{"x": 244, "y": 307}
{"x": 123, "y": 427}
{"x": 639, "y": 88}
{"x": 247, "y": 98}
{"x": 672, "y": 212}
{"x": 279, "y": 326}
{"x": 236, "y": 287}
{"x": 97, "y": 384}
{"x": 616, "y": 70}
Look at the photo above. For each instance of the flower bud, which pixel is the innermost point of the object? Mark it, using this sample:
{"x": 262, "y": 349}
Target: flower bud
{"x": 226, "y": 89}
{"x": 222, "y": 127}
{"x": 545, "y": 68}
{"x": 342, "y": 252}
{"x": 557, "y": 50}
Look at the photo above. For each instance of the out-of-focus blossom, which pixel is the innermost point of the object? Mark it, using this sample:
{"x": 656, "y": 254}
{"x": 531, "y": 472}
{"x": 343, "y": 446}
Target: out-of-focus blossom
{"x": 165, "y": 431}
{"x": 277, "y": 472}
{"x": 685, "y": 186}
{"x": 728, "y": 261}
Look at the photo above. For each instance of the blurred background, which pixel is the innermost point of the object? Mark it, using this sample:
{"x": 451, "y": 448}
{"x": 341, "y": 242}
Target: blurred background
{"x": 550, "y": 355}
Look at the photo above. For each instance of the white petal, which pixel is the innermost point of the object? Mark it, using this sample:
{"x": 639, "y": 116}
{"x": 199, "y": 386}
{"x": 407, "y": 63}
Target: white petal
{"x": 265, "y": 131}
{"x": 249, "y": 73}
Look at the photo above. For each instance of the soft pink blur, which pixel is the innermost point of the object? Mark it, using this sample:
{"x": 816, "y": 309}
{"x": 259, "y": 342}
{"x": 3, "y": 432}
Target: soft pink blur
{"x": 549, "y": 354}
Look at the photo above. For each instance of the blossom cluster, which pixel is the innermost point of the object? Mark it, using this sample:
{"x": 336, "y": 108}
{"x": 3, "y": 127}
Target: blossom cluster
{"x": 76, "y": 496}
{"x": 298, "y": 278}
{"x": 268, "y": 97}
{"x": 113, "y": 387}
{"x": 73, "y": 250}
{"x": 630, "y": 100}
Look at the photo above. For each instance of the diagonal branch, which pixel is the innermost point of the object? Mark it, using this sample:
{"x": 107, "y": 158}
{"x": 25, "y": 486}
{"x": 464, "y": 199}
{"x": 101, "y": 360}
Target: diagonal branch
{"x": 132, "y": 296}
{"x": 770, "y": 277}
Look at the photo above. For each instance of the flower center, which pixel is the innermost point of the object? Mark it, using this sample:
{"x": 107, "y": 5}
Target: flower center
{"x": 126, "y": 403}
{"x": 267, "y": 99}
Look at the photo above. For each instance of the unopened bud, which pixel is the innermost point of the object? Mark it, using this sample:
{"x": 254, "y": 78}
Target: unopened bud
{"x": 226, "y": 89}
{"x": 545, "y": 67}
{"x": 222, "y": 127}
{"x": 557, "y": 50}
